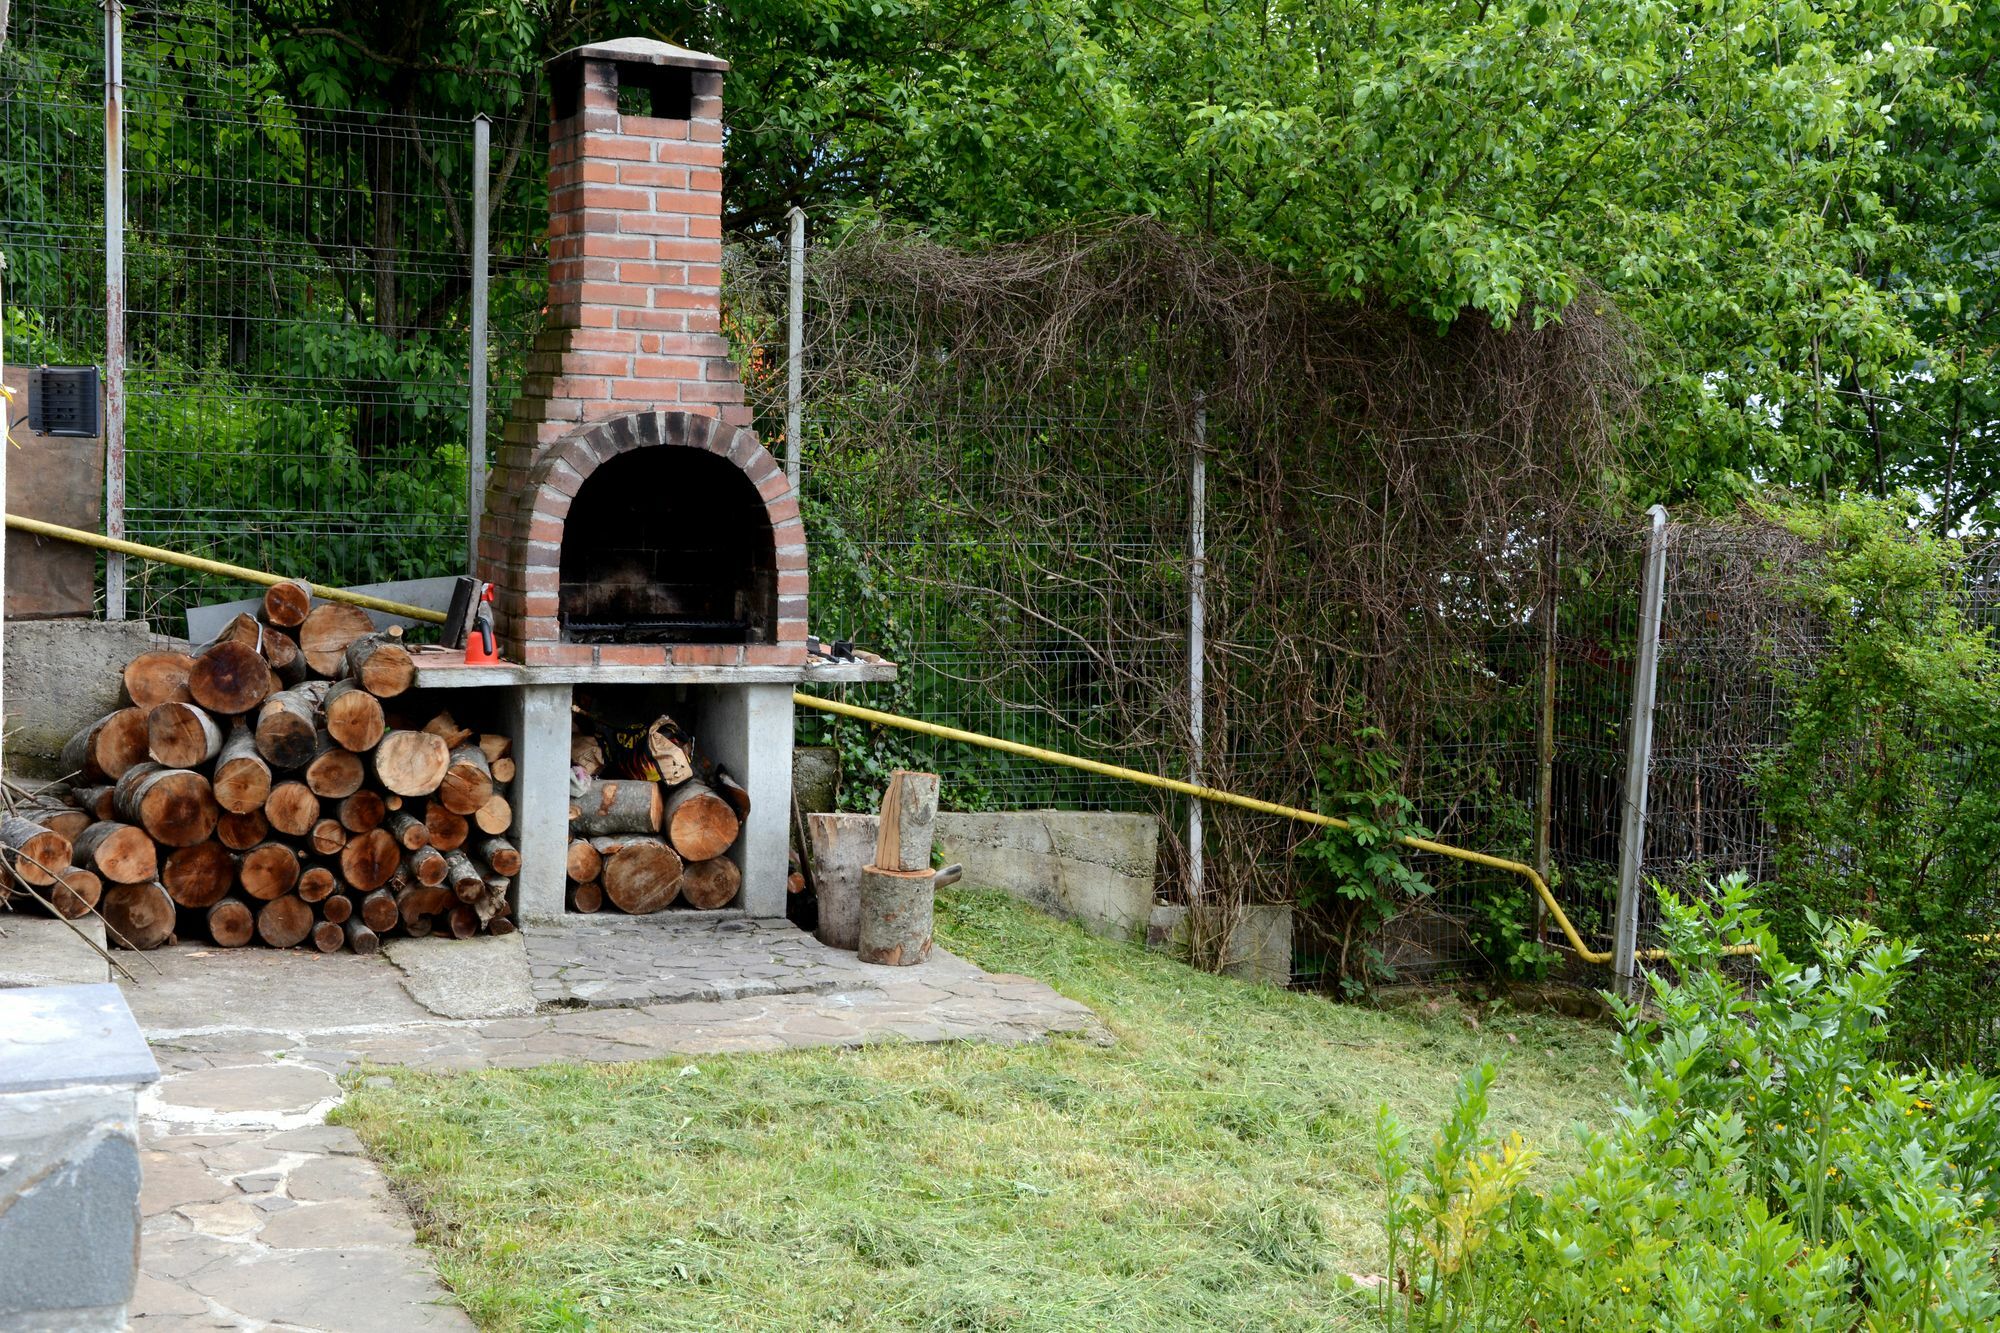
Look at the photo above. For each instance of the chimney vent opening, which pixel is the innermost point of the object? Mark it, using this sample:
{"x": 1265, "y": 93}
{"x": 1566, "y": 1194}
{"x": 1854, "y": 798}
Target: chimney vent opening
{"x": 664, "y": 92}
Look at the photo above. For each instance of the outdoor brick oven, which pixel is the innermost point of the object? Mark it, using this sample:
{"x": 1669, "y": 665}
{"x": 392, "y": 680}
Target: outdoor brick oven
{"x": 639, "y": 537}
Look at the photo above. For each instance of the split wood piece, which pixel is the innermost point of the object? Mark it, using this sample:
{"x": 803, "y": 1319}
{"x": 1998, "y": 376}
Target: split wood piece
{"x": 369, "y": 859}
{"x": 362, "y": 811}
{"x": 95, "y": 801}
{"x": 242, "y": 628}
{"x": 418, "y": 929}
{"x": 198, "y": 876}
{"x": 137, "y": 916}
{"x": 896, "y": 908}
{"x": 465, "y": 880}
{"x": 284, "y": 922}
{"x": 495, "y": 745}
{"x": 75, "y": 893}
{"x": 328, "y": 937}
{"x": 239, "y": 833}
{"x": 501, "y": 925}
{"x": 292, "y": 808}
{"x": 282, "y": 655}
{"x": 102, "y": 751}
{"x": 359, "y": 937}
{"x": 286, "y": 604}
{"x": 640, "y": 874}
{"x": 230, "y": 677}
{"x": 500, "y": 854}
{"x": 445, "y": 727}
{"x": 906, "y": 830}
{"x": 158, "y": 677}
{"x": 288, "y": 725}
{"x": 62, "y": 820}
{"x": 417, "y": 905}
{"x": 121, "y": 853}
{"x": 379, "y": 911}
{"x": 468, "y": 782}
{"x": 333, "y": 773}
{"x": 427, "y": 866}
{"x": 175, "y": 805}
{"x": 462, "y": 922}
{"x": 182, "y": 735}
{"x": 707, "y": 885}
{"x": 700, "y": 824}
{"x": 326, "y": 838}
{"x": 409, "y": 831}
{"x": 231, "y": 923}
{"x": 583, "y": 862}
{"x": 608, "y": 807}
{"x": 496, "y": 816}
{"x": 733, "y": 792}
{"x": 354, "y": 717}
{"x": 326, "y": 632}
{"x": 269, "y": 871}
{"x": 337, "y": 908}
{"x": 242, "y": 777}
{"x": 447, "y": 830}
{"x": 503, "y": 769}
{"x": 585, "y": 896}
{"x": 411, "y": 763}
{"x": 381, "y": 664}
{"x": 318, "y": 884}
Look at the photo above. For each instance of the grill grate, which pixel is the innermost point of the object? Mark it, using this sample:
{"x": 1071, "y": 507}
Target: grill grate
{"x": 656, "y": 629}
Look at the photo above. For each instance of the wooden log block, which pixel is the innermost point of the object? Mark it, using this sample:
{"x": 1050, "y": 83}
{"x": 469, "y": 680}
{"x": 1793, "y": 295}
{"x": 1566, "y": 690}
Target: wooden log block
{"x": 268, "y": 871}
{"x": 707, "y": 885}
{"x": 326, "y": 837}
{"x": 242, "y": 777}
{"x": 640, "y": 875}
{"x": 496, "y": 816}
{"x": 336, "y": 907}
{"x": 292, "y": 808}
{"x": 733, "y": 792}
{"x": 381, "y": 664}
{"x": 288, "y": 725}
{"x": 609, "y": 808}
{"x": 417, "y": 904}
{"x": 426, "y": 865}
{"x": 418, "y": 929}
{"x": 583, "y": 862}
{"x": 318, "y": 884}
{"x": 158, "y": 677}
{"x": 328, "y": 936}
{"x": 468, "y": 783}
{"x": 445, "y": 727}
{"x": 369, "y": 859}
{"x": 63, "y": 820}
{"x": 359, "y": 937}
{"x": 500, "y": 925}
{"x": 182, "y": 735}
{"x": 231, "y": 923}
{"x": 105, "y": 749}
{"x": 286, "y": 604}
{"x": 326, "y": 632}
{"x": 198, "y": 876}
{"x": 242, "y": 628}
{"x": 333, "y": 773}
{"x": 495, "y": 746}
{"x": 700, "y": 824}
{"x": 905, "y": 832}
{"x": 137, "y": 916}
{"x": 447, "y": 830}
{"x": 411, "y": 763}
{"x": 380, "y": 912}
{"x": 175, "y": 805}
{"x": 586, "y": 896}
{"x": 354, "y": 717}
{"x": 362, "y": 811}
{"x": 462, "y": 922}
{"x": 896, "y": 909}
{"x": 463, "y": 877}
{"x": 408, "y": 831}
{"x": 503, "y": 770}
{"x": 500, "y": 854}
{"x": 95, "y": 801}
{"x": 282, "y": 655}
{"x": 120, "y": 853}
{"x": 239, "y": 833}
{"x": 284, "y": 922}
{"x": 75, "y": 893}
{"x": 230, "y": 678}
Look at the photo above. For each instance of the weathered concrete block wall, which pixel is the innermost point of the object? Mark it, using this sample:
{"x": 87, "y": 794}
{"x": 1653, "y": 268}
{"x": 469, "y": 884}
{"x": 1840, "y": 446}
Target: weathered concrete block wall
{"x": 62, "y": 675}
{"x": 1092, "y": 868}
{"x": 1259, "y": 947}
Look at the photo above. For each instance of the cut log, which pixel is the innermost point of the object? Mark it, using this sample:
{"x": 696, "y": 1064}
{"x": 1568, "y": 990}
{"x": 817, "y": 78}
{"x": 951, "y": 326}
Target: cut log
{"x": 445, "y": 727}
{"x": 495, "y": 746}
{"x": 707, "y": 885}
{"x": 137, "y": 916}
{"x": 182, "y": 735}
{"x": 426, "y": 865}
{"x": 409, "y": 831}
{"x": 175, "y": 805}
{"x": 501, "y": 925}
{"x": 317, "y": 884}
{"x": 640, "y": 874}
{"x": 328, "y": 937}
{"x": 411, "y": 763}
{"x": 292, "y": 808}
{"x": 286, "y": 604}
{"x": 121, "y": 853}
{"x": 239, "y": 833}
{"x": 499, "y": 854}
{"x": 333, "y": 773}
{"x": 359, "y": 937}
{"x": 583, "y": 862}
{"x": 503, "y": 770}
{"x": 586, "y": 896}
{"x": 337, "y": 908}
{"x": 614, "y": 807}
{"x": 284, "y": 922}
{"x": 327, "y": 631}
{"x": 418, "y": 929}
{"x": 198, "y": 876}
{"x": 242, "y": 628}
{"x": 353, "y": 716}
{"x": 447, "y": 830}
{"x": 326, "y": 838}
{"x": 75, "y": 893}
{"x": 63, "y": 820}
{"x": 382, "y": 665}
{"x": 158, "y": 677}
{"x": 102, "y": 751}
{"x": 700, "y": 824}
{"x": 896, "y": 907}
{"x": 462, "y": 922}
{"x": 95, "y": 801}
{"x": 904, "y": 833}
{"x": 267, "y": 872}
{"x": 231, "y": 923}
{"x": 496, "y": 816}
{"x": 242, "y": 777}
{"x": 463, "y": 877}
{"x": 468, "y": 783}
{"x": 288, "y": 725}
{"x": 282, "y": 655}
{"x": 733, "y": 792}
{"x": 230, "y": 678}
{"x": 369, "y": 859}
{"x": 379, "y": 911}
{"x": 418, "y": 904}
{"x": 362, "y": 811}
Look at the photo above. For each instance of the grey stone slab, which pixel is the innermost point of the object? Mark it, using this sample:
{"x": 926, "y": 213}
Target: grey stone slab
{"x": 70, "y": 1036}
{"x": 345, "y": 1289}
{"x": 42, "y": 951}
{"x": 337, "y": 1224}
{"x": 483, "y": 977}
{"x": 68, "y": 1233}
{"x": 289, "y": 1088}
{"x": 236, "y": 994}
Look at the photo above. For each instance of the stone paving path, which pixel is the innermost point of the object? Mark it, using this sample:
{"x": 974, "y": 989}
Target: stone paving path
{"x": 261, "y": 1216}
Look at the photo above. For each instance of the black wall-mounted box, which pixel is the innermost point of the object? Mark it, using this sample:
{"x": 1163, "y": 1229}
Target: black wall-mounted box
{"x": 65, "y": 400}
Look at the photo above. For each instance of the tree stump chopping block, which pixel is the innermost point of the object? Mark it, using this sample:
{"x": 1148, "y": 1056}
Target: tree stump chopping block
{"x": 896, "y": 910}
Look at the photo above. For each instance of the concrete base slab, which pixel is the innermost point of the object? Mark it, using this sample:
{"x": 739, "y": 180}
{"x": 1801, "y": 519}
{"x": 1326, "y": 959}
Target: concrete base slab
{"x": 42, "y": 951}
{"x": 483, "y": 977}
{"x": 202, "y": 989}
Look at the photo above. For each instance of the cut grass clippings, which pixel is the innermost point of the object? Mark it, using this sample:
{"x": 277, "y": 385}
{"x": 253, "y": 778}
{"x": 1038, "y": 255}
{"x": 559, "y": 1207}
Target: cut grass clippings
{"x": 1214, "y": 1168}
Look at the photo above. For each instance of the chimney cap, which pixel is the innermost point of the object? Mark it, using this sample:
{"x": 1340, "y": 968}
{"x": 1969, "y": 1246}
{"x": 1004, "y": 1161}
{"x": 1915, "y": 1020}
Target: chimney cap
{"x": 641, "y": 51}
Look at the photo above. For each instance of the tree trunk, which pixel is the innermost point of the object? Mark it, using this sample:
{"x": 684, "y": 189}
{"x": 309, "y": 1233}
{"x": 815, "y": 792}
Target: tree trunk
{"x": 318, "y": 884}
{"x": 102, "y": 751}
{"x": 292, "y": 808}
{"x": 269, "y": 871}
{"x": 288, "y": 725}
{"x": 586, "y": 896}
{"x": 700, "y": 824}
{"x": 120, "y": 853}
{"x": 381, "y": 665}
{"x": 286, "y": 604}
{"x": 239, "y": 833}
{"x": 463, "y": 877}
{"x": 426, "y": 866}
{"x": 500, "y": 854}
{"x": 198, "y": 876}
{"x": 63, "y": 820}
{"x": 896, "y": 916}
{"x": 31, "y": 853}
{"x": 182, "y": 736}
{"x": 496, "y": 816}
{"x": 76, "y": 893}
{"x": 328, "y": 937}
{"x": 284, "y": 922}
{"x": 411, "y": 763}
{"x": 468, "y": 783}
{"x": 408, "y": 831}
{"x": 337, "y": 907}
{"x": 242, "y": 778}
{"x": 710, "y": 884}
{"x": 447, "y": 830}
{"x": 369, "y": 859}
{"x": 359, "y": 937}
{"x": 175, "y": 805}
{"x": 354, "y": 717}
{"x": 327, "y": 631}
{"x": 584, "y": 862}
{"x": 362, "y": 811}
{"x": 463, "y": 922}
{"x": 137, "y": 916}
{"x": 334, "y": 773}
{"x": 640, "y": 874}
{"x": 503, "y": 770}
{"x": 380, "y": 912}
{"x": 230, "y": 923}
{"x": 326, "y": 838}
{"x": 159, "y": 677}
{"x": 609, "y": 808}
{"x": 230, "y": 678}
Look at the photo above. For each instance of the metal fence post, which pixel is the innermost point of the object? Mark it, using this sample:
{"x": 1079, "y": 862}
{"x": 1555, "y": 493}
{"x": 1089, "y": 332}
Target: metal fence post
{"x": 1639, "y": 756}
{"x": 1197, "y": 644}
{"x": 795, "y": 350}
{"x": 475, "y": 426}
{"x": 114, "y": 303}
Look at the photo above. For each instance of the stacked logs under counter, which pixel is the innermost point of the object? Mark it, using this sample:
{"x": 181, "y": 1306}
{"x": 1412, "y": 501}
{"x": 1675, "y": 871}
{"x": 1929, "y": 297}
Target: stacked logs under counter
{"x": 272, "y": 786}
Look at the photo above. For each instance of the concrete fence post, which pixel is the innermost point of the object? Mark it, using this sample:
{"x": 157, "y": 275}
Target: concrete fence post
{"x": 1639, "y": 757}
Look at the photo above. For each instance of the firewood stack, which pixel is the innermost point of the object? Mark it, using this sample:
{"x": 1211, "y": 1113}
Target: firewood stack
{"x": 651, "y": 821}
{"x": 273, "y": 785}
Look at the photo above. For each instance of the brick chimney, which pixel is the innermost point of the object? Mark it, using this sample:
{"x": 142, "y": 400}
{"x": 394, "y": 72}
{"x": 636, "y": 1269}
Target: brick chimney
{"x": 631, "y": 357}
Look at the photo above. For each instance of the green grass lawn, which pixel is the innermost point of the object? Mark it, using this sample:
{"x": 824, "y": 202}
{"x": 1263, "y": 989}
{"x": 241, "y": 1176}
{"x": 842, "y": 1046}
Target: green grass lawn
{"x": 1213, "y": 1168}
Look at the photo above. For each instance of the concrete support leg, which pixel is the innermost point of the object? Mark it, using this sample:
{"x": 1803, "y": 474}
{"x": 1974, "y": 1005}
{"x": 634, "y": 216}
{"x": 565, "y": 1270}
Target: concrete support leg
{"x": 748, "y": 730}
{"x": 539, "y": 720}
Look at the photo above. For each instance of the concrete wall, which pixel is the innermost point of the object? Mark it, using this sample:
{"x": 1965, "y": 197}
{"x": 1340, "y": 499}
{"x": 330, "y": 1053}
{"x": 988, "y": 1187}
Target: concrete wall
{"x": 62, "y": 675}
{"x": 1094, "y": 869}
{"x": 1260, "y": 941}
